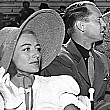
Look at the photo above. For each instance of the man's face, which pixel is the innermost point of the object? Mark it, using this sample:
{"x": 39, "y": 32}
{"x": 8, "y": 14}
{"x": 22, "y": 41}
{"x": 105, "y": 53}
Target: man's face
{"x": 94, "y": 29}
{"x": 27, "y": 54}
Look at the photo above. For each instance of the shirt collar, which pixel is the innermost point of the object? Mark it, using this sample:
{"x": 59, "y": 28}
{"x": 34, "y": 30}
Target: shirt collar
{"x": 84, "y": 52}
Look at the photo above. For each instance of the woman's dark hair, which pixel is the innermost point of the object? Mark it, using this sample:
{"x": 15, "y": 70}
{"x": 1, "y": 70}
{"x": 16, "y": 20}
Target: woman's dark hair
{"x": 28, "y": 31}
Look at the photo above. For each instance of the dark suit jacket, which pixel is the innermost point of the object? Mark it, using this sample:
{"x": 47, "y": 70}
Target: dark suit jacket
{"x": 62, "y": 64}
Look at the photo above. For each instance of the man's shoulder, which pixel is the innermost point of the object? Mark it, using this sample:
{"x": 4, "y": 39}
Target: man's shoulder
{"x": 64, "y": 55}
{"x": 60, "y": 65}
{"x": 70, "y": 57}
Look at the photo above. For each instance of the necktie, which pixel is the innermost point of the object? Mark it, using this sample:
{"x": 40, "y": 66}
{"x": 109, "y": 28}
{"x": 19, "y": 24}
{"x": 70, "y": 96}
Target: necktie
{"x": 91, "y": 68}
{"x": 91, "y": 77}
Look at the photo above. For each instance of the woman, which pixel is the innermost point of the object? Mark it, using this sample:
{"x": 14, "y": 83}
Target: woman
{"x": 24, "y": 52}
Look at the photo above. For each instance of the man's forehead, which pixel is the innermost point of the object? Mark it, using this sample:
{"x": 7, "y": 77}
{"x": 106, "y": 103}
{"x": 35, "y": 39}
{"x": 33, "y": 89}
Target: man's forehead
{"x": 94, "y": 10}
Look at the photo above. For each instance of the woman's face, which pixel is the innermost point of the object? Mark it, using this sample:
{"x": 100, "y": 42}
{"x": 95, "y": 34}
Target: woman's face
{"x": 27, "y": 54}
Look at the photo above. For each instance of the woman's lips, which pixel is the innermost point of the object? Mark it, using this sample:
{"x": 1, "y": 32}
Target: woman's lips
{"x": 34, "y": 62}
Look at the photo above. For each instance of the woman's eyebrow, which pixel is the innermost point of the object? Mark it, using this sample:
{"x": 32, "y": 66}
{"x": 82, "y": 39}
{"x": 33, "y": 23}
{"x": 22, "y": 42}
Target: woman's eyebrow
{"x": 29, "y": 44}
{"x": 37, "y": 44}
{"x": 24, "y": 45}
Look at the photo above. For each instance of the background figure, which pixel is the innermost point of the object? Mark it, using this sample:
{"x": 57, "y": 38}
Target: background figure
{"x": 103, "y": 46}
{"x": 89, "y": 0}
{"x": 1, "y": 20}
{"x": 24, "y": 13}
{"x": 61, "y": 10}
{"x": 43, "y": 6}
{"x": 107, "y": 10}
{"x": 85, "y": 26}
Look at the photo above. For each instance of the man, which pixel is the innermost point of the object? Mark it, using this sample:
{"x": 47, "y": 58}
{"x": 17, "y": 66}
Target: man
{"x": 61, "y": 10}
{"x": 24, "y": 13}
{"x": 85, "y": 26}
{"x": 43, "y": 6}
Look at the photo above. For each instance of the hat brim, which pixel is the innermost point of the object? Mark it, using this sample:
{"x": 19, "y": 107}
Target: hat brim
{"x": 50, "y": 31}
{"x": 8, "y": 39}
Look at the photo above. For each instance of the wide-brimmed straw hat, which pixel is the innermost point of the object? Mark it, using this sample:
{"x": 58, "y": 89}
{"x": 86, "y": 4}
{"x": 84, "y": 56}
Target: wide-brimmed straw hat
{"x": 49, "y": 29}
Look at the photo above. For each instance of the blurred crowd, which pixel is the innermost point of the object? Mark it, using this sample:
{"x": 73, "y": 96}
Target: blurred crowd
{"x": 26, "y": 11}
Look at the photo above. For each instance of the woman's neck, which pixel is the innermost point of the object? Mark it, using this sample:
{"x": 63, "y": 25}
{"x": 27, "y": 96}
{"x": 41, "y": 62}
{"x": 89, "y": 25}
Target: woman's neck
{"x": 23, "y": 79}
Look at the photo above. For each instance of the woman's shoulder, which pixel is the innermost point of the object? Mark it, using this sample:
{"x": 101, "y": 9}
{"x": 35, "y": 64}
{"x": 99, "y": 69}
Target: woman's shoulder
{"x": 65, "y": 78}
{"x": 62, "y": 83}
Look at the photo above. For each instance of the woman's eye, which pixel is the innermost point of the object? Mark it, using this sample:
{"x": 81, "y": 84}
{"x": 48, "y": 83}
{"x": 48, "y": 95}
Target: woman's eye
{"x": 26, "y": 49}
{"x": 39, "y": 49}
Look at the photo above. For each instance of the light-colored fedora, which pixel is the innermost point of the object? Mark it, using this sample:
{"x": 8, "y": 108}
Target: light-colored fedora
{"x": 50, "y": 32}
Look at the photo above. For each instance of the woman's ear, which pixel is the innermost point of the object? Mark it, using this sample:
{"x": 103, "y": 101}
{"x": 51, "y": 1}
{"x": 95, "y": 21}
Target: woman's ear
{"x": 80, "y": 25}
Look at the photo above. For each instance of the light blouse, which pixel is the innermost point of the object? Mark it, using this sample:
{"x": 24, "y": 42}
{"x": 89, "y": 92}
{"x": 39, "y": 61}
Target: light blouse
{"x": 49, "y": 93}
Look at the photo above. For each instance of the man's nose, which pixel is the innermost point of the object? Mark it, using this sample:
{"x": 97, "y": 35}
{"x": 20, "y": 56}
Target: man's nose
{"x": 103, "y": 23}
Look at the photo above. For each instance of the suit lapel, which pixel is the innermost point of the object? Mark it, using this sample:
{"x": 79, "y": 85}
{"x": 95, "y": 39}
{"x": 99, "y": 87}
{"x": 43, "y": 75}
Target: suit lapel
{"x": 79, "y": 62}
{"x": 83, "y": 71}
{"x": 99, "y": 74}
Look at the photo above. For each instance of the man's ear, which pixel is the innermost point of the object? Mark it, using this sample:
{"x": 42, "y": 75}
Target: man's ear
{"x": 80, "y": 25}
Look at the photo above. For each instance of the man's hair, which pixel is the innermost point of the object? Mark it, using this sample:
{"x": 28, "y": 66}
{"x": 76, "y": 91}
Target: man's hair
{"x": 76, "y": 12}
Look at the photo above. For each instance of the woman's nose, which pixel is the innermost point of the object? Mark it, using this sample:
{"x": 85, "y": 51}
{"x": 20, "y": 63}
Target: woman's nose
{"x": 36, "y": 54}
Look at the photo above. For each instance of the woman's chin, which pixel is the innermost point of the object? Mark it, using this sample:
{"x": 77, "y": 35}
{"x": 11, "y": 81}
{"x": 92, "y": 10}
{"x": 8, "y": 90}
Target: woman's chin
{"x": 34, "y": 70}
{"x": 29, "y": 70}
